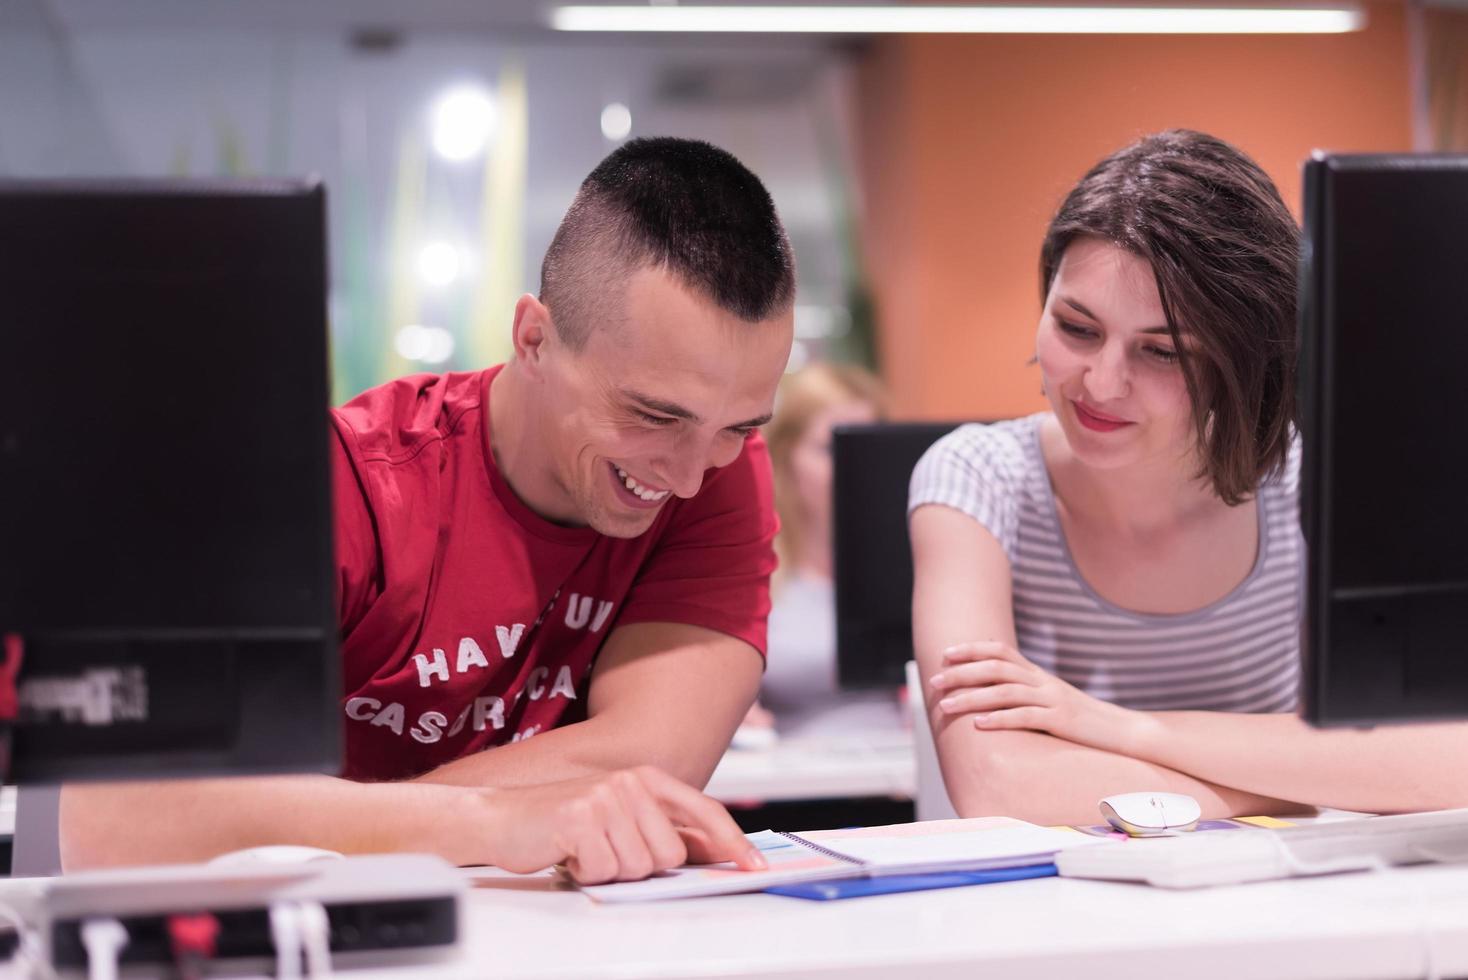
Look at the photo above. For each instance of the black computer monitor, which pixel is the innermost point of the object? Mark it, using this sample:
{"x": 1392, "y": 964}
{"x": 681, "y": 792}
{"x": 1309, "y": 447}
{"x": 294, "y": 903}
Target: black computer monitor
{"x": 872, "y": 465}
{"x": 1384, "y": 498}
{"x": 165, "y": 515}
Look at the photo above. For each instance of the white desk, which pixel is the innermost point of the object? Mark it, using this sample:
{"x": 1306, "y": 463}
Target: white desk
{"x": 817, "y": 768}
{"x": 1345, "y": 926}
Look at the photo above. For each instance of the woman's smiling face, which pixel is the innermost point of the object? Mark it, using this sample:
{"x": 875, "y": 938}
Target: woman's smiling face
{"x": 1108, "y": 360}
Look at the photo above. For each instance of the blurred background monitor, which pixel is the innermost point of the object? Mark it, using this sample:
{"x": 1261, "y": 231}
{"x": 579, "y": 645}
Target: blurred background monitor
{"x": 873, "y": 559}
{"x": 165, "y": 516}
{"x": 1384, "y": 341}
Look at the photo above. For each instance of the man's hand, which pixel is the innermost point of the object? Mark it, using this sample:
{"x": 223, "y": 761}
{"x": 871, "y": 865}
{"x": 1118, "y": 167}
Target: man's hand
{"x": 619, "y": 826}
{"x": 995, "y": 684}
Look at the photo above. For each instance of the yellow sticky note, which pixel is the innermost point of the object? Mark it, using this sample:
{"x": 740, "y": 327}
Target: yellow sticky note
{"x": 1269, "y": 823}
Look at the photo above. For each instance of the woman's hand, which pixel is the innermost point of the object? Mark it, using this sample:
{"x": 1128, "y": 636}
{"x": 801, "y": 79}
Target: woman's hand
{"x": 995, "y": 684}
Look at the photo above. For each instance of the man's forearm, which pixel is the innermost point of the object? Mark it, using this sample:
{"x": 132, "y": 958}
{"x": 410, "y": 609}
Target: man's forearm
{"x": 113, "y": 824}
{"x": 1379, "y": 770}
{"x": 1047, "y": 780}
{"x": 152, "y": 823}
{"x": 663, "y": 694}
{"x": 597, "y": 745}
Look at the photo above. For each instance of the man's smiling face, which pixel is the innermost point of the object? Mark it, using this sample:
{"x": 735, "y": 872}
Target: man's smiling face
{"x": 666, "y": 390}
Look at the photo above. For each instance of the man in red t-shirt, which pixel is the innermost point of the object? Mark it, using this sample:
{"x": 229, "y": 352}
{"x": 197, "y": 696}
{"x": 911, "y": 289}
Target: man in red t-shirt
{"x": 553, "y": 574}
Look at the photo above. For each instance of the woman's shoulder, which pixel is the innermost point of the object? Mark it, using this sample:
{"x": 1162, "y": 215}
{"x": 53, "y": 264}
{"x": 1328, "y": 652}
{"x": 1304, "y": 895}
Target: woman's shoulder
{"x": 1005, "y": 451}
{"x": 1286, "y": 480}
{"x": 981, "y": 470}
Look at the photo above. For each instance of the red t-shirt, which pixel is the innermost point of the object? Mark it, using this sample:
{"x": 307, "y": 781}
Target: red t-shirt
{"x": 468, "y": 621}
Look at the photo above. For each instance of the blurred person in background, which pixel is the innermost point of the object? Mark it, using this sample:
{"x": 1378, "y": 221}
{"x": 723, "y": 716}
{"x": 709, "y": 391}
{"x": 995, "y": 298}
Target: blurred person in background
{"x": 800, "y": 696}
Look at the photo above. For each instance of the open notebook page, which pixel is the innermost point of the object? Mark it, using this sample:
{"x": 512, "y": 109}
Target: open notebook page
{"x": 938, "y": 845}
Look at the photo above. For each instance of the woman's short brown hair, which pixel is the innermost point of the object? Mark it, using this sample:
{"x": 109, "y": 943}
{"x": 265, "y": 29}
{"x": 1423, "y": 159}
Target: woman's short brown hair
{"x": 1224, "y": 250}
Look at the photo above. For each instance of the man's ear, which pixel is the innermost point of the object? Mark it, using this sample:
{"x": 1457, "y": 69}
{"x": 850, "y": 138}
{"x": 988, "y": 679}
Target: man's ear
{"x": 531, "y": 333}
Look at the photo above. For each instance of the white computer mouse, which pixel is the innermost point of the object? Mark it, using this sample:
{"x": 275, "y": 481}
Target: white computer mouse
{"x": 1151, "y": 814}
{"x": 275, "y": 854}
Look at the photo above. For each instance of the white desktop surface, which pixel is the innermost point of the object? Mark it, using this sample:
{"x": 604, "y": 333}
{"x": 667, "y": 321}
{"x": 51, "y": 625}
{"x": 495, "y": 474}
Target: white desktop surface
{"x": 826, "y": 767}
{"x": 1409, "y": 922}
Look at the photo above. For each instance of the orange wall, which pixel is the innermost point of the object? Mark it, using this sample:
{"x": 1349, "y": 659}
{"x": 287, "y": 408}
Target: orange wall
{"x": 970, "y": 143}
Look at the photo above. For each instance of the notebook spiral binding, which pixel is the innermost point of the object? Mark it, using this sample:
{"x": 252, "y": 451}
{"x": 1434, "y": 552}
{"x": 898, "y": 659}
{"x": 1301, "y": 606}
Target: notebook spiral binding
{"x": 812, "y": 845}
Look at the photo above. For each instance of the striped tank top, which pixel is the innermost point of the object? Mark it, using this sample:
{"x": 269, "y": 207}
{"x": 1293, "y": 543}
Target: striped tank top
{"x": 1240, "y": 653}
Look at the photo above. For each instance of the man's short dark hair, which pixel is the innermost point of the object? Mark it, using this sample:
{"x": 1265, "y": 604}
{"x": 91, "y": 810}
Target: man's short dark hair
{"x": 1225, "y": 254}
{"x": 676, "y": 204}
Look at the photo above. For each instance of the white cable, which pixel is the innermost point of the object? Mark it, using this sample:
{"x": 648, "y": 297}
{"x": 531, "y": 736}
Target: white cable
{"x": 316, "y": 933}
{"x": 1422, "y": 911}
{"x": 1372, "y": 862}
{"x": 1431, "y": 968}
{"x": 104, "y": 940}
{"x": 285, "y": 929}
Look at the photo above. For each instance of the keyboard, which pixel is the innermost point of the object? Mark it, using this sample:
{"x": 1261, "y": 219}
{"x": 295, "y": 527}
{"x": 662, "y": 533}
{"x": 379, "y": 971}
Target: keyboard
{"x": 1233, "y": 857}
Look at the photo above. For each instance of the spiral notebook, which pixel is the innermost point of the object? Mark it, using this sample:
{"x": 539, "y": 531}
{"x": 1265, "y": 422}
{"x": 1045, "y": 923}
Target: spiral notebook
{"x": 976, "y": 844}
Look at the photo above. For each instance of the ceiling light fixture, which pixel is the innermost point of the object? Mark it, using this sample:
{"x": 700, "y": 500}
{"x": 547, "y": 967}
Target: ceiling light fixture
{"x": 960, "y": 19}
{"x": 463, "y": 121}
{"x": 616, "y": 121}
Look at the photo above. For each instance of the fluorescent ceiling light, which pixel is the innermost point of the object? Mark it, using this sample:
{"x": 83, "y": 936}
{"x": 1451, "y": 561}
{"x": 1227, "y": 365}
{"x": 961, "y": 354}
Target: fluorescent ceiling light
{"x": 463, "y": 120}
{"x": 440, "y": 263}
{"x": 616, "y": 121}
{"x": 961, "y": 20}
{"x": 431, "y": 345}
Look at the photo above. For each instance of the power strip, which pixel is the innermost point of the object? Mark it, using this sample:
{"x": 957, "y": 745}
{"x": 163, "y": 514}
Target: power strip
{"x": 373, "y": 904}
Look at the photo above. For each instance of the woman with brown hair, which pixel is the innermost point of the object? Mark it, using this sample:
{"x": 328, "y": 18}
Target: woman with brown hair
{"x": 799, "y": 686}
{"x": 1107, "y": 595}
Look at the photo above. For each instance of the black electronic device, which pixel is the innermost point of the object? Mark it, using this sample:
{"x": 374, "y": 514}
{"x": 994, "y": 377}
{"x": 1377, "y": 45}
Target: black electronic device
{"x": 872, "y": 466}
{"x": 166, "y": 569}
{"x": 1384, "y": 338}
